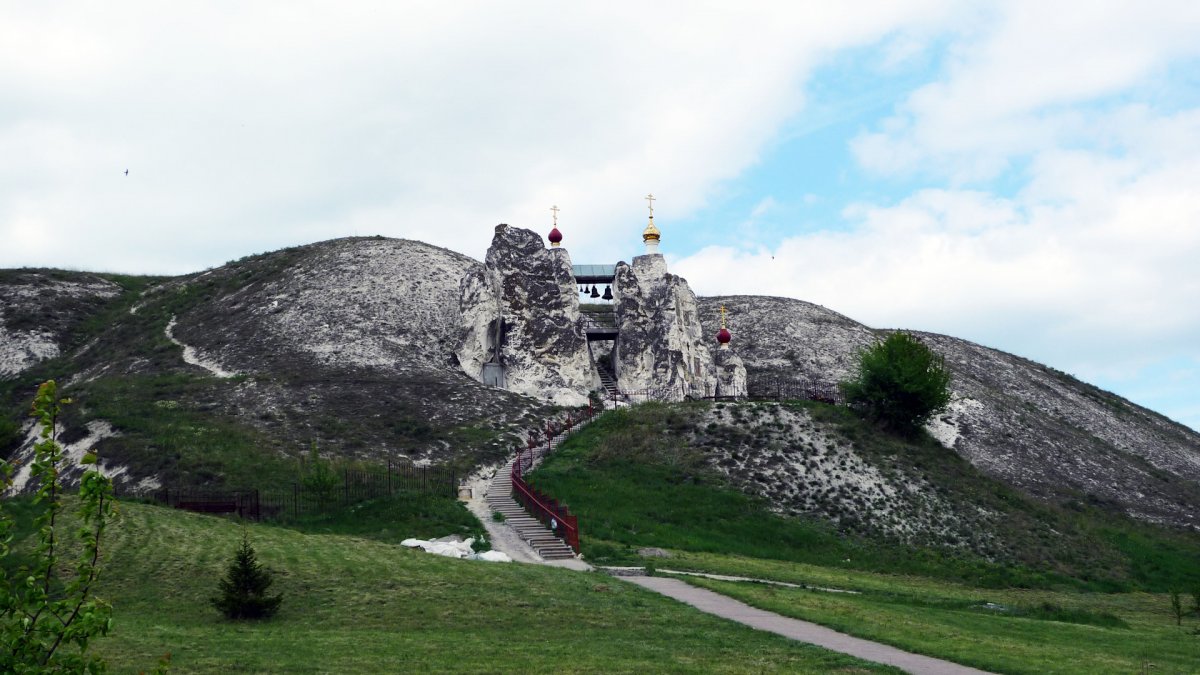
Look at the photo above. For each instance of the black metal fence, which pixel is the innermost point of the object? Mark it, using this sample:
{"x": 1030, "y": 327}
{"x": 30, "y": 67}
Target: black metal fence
{"x": 311, "y": 497}
{"x": 782, "y": 389}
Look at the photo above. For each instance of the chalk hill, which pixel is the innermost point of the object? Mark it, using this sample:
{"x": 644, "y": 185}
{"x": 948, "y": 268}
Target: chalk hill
{"x": 351, "y": 344}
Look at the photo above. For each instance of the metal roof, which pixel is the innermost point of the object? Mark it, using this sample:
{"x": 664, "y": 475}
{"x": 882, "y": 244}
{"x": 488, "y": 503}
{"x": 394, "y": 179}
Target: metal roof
{"x": 594, "y": 272}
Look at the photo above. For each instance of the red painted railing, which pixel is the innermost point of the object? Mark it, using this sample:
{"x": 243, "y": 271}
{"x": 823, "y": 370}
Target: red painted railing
{"x": 547, "y": 510}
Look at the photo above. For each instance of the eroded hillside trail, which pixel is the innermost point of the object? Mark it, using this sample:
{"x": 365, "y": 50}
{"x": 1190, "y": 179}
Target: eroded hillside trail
{"x": 524, "y": 539}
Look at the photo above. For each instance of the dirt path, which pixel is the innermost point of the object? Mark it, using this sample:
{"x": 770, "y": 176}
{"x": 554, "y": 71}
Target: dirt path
{"x": 726, "y": 607}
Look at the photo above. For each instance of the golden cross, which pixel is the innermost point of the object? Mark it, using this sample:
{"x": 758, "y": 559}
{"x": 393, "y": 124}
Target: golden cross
{"x": 722, "y": 316}
{"x": 555, "y": 210}
{"x": 650, "y": 201}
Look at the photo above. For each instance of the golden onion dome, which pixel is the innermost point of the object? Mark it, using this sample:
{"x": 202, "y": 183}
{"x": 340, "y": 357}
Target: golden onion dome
{"x": 651, "y": 232}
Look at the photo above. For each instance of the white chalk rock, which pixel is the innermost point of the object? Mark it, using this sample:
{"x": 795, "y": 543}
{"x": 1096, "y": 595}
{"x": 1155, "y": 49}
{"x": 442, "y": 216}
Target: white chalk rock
{"x": 663, "y": 347}
{"x": 521, "y": 309}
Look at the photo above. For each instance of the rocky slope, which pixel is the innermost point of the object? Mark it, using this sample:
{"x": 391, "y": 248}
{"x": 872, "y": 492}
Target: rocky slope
{"x": 357, "y": 345}
{"x": 39, "y": 310}
{"x": 1036, "y": 428}
{"x": 347, "y": 344}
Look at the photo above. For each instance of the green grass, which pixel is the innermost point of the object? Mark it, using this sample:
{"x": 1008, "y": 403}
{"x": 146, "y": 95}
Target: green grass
{"x": 395, "y": 518}
{"x": 633, "y": 480}
{"x": 1095, "y": 544}
{"x": 165, "y": 433}
{"x": 357, "y": 605}
{"x": 1029, "y": 631}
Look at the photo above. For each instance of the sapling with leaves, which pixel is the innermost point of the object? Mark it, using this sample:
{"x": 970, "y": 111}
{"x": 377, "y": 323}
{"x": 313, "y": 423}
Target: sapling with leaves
{"x": 47, "y": 621}
{"x": 1177, "y": 607}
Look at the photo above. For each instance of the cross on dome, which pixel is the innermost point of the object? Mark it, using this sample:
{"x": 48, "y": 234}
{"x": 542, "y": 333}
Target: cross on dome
{"x": 651, "y": 235}
{"x": 723, "y": 335}
{"x": 555, "y": 236}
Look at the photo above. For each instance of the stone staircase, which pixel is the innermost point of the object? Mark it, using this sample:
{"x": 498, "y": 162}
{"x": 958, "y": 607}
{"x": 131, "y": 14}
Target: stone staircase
{"x": 499, "y": 499}
{"x": 609, "y": 383}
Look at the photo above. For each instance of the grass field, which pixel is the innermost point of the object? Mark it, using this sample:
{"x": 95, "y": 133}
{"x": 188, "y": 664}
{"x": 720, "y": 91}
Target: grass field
{"x": 633, "y": 481}
{"x": 1021, "y": 631}
{"x": 357, "y": 605}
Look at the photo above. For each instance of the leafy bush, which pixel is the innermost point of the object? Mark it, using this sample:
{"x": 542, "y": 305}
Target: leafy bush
{"x": 319, "y": 477}
{"x": 244, "y": 588}
{"x": 901, "y": 383}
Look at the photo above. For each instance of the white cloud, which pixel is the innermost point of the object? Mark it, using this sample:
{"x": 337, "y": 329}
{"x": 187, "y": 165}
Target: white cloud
{"x": 1089, "y": 265}
{"x": 1021, "y": 78}
{"x": 255, "y": 126}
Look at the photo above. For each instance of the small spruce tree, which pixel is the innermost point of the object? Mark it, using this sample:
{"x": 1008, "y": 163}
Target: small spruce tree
{"x": 244, "y": 588}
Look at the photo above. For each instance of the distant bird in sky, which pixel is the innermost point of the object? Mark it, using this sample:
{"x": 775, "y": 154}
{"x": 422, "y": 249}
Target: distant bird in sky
{"x": 126, "y": 172}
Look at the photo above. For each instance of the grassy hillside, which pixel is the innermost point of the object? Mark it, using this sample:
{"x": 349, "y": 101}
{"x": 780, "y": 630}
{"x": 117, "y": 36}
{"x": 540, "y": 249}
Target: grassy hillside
{"x": 359, "y": 605}
{"x": 641, "y": 477}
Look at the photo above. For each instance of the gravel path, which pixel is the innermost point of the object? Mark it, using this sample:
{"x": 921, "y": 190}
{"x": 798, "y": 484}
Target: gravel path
{"x": 726, "y": 607}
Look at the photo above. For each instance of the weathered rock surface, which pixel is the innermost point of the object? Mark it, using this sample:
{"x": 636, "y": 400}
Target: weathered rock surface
{"x": 388, "y": 305}
{"x": 38, "y": 310}
{"x": 662, "y": 347}
{"x": 801, "y": 467}
{"x": 1038, "y": 429}
{"x": 360, "y": 345}
{"x": 731, "y": 373}
{"x": 347, "y": 343}
{"x": 523, "y": 303}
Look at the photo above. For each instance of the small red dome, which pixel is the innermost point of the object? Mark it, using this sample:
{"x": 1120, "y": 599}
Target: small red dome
{"x": 555, "y": 236}
{"x": 724, "y": 336}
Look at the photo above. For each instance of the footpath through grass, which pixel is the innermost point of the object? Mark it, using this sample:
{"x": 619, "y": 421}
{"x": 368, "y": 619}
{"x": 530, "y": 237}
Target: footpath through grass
{"x": 635, "y": 484}
{"x": 1003, "y": 631}
{"x": 356, "y": 605}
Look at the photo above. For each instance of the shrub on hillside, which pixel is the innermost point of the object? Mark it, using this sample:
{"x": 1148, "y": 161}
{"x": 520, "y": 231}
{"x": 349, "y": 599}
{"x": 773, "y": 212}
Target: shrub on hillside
{"x": 900, "y": 383}
{"x": 244, "y": 588}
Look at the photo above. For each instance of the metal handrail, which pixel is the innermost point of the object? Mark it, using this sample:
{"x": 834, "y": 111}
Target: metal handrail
{"x": 558, "y": 517}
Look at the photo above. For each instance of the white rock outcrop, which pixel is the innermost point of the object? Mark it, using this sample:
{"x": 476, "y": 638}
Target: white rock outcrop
{"x": 662, "y": 349}
{"x": 36, "y": 313}
{"x": 520, "y": 309}
{"x": 731, "y": 373}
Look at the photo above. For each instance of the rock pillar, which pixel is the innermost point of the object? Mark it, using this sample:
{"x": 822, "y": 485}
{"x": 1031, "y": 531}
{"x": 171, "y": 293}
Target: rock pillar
{"x": 661, "y": 348}
{"x": 521, "y": 310}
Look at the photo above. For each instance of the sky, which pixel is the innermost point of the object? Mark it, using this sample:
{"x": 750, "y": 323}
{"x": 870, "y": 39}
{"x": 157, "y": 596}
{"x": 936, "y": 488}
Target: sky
{"x": 1025, "y": 175}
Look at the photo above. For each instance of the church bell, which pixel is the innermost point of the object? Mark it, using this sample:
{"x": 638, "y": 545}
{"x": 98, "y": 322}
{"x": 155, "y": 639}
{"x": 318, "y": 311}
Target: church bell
{"x": 608, "y": 293}
{"x": 595, "y": 293}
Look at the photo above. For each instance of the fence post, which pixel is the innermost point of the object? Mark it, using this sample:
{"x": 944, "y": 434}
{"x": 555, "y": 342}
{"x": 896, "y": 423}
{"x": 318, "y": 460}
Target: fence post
{"x": 345, "y": 485}
{"x": 296, "y": 500}
{"x": 390, "y": 477}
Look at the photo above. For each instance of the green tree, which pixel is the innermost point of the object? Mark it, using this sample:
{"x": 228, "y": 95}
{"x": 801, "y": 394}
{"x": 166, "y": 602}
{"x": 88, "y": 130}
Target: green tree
{"x": 319, "y": 478}
{"x": 1177, "y": 607}
{"x": 900, "y": 383}
{"x": 48, "y": 619}
{"x": 244, "y": 588}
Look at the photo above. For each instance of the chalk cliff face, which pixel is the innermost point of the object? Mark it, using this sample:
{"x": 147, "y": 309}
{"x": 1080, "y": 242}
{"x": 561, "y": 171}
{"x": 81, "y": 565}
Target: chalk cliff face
{"x": 522, "y": 303}
{"x": 1029, "y": 425}
{"x": 662, "y": 347}
{"x": 39, "y": 309}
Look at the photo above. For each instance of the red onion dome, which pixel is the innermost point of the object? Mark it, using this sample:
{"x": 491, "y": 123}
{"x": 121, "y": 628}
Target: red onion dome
{"x": 555, "y": 236}
{"x": 724, "y": 336}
